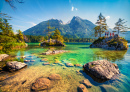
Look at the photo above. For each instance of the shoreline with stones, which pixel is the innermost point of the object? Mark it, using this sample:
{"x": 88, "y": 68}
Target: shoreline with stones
{"x": 84, "y": 84}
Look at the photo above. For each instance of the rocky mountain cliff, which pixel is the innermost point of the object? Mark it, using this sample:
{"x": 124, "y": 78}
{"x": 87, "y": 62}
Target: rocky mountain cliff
{"x": 77, "y": 27}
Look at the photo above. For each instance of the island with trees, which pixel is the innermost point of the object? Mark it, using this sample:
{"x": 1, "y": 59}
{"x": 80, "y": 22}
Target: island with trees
{"x": 112, "y": 41}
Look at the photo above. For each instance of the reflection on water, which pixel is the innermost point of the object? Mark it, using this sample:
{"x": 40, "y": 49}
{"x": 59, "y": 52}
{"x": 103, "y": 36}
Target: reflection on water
{"x": 80, "y": 54}
{"x": 110, "y": 55}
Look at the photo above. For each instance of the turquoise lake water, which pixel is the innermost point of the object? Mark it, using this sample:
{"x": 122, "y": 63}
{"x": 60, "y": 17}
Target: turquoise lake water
{"x": 80, "y": 53}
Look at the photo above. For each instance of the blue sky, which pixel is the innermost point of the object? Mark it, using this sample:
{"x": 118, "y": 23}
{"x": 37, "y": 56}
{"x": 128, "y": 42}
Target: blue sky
{"x": 32, "y": 12}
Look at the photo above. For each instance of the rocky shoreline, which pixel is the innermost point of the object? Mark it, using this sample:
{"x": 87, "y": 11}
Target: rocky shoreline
{"x": 101, "y": 69}
{"x": 110, "y": 43}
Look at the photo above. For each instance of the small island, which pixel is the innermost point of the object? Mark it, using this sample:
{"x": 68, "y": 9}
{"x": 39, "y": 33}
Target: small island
{"x": 110, "y": 43}
{"x": 55, "y": 40}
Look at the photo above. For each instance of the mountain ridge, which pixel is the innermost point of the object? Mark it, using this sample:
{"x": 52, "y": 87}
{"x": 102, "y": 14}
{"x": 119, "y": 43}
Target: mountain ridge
{"x": 76, "y": 28}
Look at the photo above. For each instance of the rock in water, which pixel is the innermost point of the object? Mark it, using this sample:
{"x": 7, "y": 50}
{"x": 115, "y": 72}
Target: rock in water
{"x": 51, "y": 52}
{"x": 3, "y": 56}
{"x": 82, "y": 88}
{"x": 69, "y": 64}
{"x": 87, "y": 83}
{"x": 53, "y": 42}
{"x": 15, "y": 65}
{"x": 78, "y": 65}
{"x": 41, "y": 84}
{"x": 55, "y": 77}
{"x": 110, "y": 43}
{"x": 46, "y": 63}
{"x": 102, "y": 69}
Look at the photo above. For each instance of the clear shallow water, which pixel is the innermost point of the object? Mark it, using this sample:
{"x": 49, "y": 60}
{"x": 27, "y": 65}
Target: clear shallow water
{"x": 80, "y": 54}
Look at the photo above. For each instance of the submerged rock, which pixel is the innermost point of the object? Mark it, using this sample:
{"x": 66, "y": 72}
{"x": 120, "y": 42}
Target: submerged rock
{"x": 41, "y": 84}
{"x": 46, "y": 63}
{"x": 32, "y": 61}
{"x": 69, "y": 64}
{"x": 23, "y": 57}
{"x": 78, "y": 65}
{"x": 14, "y": 65}
{"x": 51, "y": 52}
{"x": 102, "y": 69}
{"x": 78, "y": 72}
{"x": 56, "y": 62}
{"x": 26, "y": 60}
{"x": 45, "y": 59}
{"x": 109, "y": 88}
{"x": 82, "y": 88}
{"x": 87, "y": 83}
{"x": 61, "y": 64}
{"x": 55, "y": 77}
{"x": 3, "y": 56}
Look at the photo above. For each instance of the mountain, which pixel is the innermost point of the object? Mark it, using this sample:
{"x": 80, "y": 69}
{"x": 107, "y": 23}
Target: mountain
{"x": 77, "y": 27}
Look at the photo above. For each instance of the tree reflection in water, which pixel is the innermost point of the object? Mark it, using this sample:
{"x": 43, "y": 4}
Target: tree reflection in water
{"x": 110, "y": 55}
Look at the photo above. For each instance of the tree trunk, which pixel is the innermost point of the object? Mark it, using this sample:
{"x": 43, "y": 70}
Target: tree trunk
{"x": 118, "y": 32}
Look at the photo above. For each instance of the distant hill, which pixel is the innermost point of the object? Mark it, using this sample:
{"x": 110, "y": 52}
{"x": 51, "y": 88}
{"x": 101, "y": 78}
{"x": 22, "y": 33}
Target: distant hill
{"x": 77, "y": 27}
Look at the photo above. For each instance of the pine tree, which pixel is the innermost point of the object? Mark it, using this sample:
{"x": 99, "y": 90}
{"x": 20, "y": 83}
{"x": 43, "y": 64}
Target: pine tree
{"x": 48, "y": 30}
{"x": 20, "y": 35}
{"x": 101, "y": 25}
{"x": 120, "y": 27}
{"x": 58, "y": 36}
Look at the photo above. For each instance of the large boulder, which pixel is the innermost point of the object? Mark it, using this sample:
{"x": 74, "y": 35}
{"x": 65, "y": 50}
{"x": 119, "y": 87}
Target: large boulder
{"x": 41, "y": 84}
{"x": 102, "y": 69}
{"x": 3, "y": 56}
{"x": 15, "y": 65}
{"x": 55, "y": 77}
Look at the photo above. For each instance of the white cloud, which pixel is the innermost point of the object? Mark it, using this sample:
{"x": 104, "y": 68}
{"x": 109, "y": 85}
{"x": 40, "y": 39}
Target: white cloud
{"x": 33, "y": 24}
{"x": 107, "y": 17}
{"x": 72, "y": 9}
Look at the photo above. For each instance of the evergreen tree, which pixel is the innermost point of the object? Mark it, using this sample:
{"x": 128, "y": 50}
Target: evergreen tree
{"x": 42, "y": 39}
{"x": 58, "y": 36}
{"x": 48, "y": 30}
{"x": 20, "y": 35}
{"x": 120, "y": 27}
{"x": 101, "y": 25}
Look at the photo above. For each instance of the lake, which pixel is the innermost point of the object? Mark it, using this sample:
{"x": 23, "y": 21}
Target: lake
{"x": 80, "y": 53}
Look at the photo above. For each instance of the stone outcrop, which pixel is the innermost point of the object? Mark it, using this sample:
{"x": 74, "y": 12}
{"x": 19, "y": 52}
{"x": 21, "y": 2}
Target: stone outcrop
{"x": 78, "y": 65}
{"x": 50, "y": 52}
{"x": 102, "y": 69}
{"x": 3, "y": 56}
{"x": 25, "y": 38}
{"x": 82, "y": 88}
{"x": 110, "y": 43}
{"x": 41, "y": 84}
{"x": 52, "y": 42}
{"x": 87, "y": 83}
{"x": 15, "y": 65}
{"x": 47, "y": 63}
{"x": 55, "y": 77}
{"x": 69, "y": 64}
